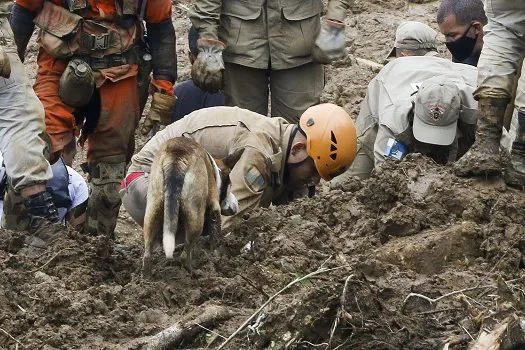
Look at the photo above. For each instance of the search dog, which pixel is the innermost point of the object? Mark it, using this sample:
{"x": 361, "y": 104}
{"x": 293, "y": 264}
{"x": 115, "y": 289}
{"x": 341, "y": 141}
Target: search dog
{"x": 188, "y": 191}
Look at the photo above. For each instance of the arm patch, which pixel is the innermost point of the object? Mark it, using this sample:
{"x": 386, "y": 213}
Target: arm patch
{"x": 254, "y": 179}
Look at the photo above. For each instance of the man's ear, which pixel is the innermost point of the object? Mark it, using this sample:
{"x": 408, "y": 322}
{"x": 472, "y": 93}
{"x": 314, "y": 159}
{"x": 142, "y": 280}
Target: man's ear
{"x": 233, "y": 158}
{"x": 478, "y": 27}
{"x": 298, "y": 147}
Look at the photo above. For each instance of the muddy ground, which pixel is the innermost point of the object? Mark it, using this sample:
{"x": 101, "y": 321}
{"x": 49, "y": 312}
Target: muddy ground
{"x": 412, "y": 228}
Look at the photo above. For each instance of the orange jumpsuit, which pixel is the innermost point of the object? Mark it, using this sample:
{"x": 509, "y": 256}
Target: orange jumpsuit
{"x": 120, "y": 111}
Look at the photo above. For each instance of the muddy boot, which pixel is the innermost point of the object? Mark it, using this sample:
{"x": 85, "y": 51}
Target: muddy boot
{"x": 104, "y": 199}
{"x": 44, "y": 223}
{"x": 515, "y": 173}
{"x": 484, "y": 158}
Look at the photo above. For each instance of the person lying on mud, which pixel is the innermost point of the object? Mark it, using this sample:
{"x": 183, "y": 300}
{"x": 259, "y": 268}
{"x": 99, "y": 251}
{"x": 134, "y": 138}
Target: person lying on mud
{"x": 278, "y": 158}
{"x": 68, "y": 190}
{"x": 420, "y": 104}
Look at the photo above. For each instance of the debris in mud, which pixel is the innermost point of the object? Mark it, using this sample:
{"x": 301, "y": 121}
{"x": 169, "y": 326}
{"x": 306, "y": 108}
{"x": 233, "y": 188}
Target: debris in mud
{"x": 414, "y": 270}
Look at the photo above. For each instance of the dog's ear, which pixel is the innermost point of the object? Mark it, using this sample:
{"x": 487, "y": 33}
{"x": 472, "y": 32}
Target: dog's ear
{"x": 233, "y": 158}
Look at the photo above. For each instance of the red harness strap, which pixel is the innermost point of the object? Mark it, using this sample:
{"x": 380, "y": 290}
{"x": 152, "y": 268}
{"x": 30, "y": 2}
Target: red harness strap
{"x": 130, "y": 178}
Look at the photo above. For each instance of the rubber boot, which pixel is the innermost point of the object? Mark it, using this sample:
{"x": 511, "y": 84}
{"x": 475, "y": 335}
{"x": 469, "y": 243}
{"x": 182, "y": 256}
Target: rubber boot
{"x": 484, "y": 157}
{"x": 104, "y": 198}
{"x": 515, "y": 173}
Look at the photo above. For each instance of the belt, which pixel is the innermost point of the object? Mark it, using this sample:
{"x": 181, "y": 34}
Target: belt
{"x": 130, "y": 178}
{"x": 114, "y": 60}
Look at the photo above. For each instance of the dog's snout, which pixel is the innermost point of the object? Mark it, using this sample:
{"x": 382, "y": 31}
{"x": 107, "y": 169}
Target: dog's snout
{"x": 229, "y": 205}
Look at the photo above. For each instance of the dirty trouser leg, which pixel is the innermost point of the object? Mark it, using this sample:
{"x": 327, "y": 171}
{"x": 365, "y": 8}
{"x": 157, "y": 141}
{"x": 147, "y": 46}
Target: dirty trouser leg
{"x": 60, "y": 122}
{"x": 246, "y": 87}
{"x": 503, "y": 48}
{"x": 21, "y": 128}
{"x": 109, "y": 150}
{"x": 294, "y": 90}
{"x": 21, "y": 124}
{"x": 134, "y": 198}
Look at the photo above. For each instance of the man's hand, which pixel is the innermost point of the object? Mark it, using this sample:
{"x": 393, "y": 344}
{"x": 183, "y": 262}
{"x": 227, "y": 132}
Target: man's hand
{"x": 207, "y": 71}
{"x": 5, "y": 64}
{"x": 330, "y": 43}
{"x": 160, "y": 112}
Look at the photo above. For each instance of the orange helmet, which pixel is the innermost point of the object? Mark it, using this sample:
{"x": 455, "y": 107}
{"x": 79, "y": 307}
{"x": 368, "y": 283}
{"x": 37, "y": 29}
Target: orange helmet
{"x": 331, "y": 138}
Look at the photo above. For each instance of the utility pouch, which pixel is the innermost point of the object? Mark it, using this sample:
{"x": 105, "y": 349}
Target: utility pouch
{"x": 59, "y": 30}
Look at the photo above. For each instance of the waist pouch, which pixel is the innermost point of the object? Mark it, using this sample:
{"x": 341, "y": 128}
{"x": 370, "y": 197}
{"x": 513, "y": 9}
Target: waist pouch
{"x": 65, "y": 34}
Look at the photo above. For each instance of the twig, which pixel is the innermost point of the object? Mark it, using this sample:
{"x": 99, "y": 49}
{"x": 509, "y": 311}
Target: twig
{"x": 438, "y": 311}
{"x": 209, "y": 330}
{"x": 49, "y": 261}
{"x": 21, "y": 308}
{"x": 341, "y": 311}
{"x": 13, "y": 338}
{"x": 432, "y": 301}
{"x": 295, "y": 281}
{"x": 257, "y": 288}
{"x": 471, "y": 337}
{"x": 311, "y": 344}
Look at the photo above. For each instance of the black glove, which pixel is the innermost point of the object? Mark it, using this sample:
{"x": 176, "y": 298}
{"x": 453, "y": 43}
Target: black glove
{"x": 207, "y": 71}
{"x": 330, "y": 43}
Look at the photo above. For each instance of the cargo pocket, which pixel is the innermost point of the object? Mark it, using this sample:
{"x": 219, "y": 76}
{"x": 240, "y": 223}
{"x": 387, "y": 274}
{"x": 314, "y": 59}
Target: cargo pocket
{"x": 59, "y": 30}
{"x": 301, "y": 24}
{"x": 240, "y": 25}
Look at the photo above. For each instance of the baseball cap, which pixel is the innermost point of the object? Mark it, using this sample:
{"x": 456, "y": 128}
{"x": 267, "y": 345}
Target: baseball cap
{"x": 412, "y": 35}
{"x": 436, "y": 112}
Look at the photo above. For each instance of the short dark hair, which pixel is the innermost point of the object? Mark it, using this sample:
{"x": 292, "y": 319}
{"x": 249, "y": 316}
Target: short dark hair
{"x": 193, "y": 36}
{"x": 465, "y": 11}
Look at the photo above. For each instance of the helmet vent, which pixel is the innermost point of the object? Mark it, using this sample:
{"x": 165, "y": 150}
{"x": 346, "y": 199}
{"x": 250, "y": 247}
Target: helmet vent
{"x": 333, "y": 146}
{"x": 334, "y": 139}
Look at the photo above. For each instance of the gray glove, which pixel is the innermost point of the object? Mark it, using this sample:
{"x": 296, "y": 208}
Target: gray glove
{"x": 207, "y": 71}
{"x": 5, "y": 64}
{"x": 330, "y": 43}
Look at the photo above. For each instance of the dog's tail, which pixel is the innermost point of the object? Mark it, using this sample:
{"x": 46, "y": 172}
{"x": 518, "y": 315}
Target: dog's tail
{"x": 173, "y": 182}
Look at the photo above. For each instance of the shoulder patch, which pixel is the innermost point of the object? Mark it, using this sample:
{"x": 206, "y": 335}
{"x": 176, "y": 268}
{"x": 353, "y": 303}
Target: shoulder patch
{"x": 254, "y": 179}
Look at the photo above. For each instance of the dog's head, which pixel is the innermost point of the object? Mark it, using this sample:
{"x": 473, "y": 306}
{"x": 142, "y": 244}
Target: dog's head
{"x": 227, "y": 200}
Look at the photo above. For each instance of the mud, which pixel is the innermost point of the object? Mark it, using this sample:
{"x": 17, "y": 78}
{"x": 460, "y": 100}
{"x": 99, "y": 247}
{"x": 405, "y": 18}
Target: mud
{"x": 413, "y": 227}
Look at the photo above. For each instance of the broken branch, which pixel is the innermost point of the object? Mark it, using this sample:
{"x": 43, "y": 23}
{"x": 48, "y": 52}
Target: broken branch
{"x": 295, "y": 281}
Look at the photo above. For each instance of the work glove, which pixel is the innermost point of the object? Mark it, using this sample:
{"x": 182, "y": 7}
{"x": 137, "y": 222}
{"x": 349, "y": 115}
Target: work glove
{"x": 330, "y": 43}
{"x": 207, "y": 71}
{"x": 160, "y": 112}
{"x": 5, "y": 65}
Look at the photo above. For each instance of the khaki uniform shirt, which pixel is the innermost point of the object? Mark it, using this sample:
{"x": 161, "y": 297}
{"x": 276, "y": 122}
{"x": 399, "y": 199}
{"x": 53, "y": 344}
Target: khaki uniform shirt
{"x": 390, "y": 96}
{"x": 260, "y": 32}
{"x": 257, "y": 178}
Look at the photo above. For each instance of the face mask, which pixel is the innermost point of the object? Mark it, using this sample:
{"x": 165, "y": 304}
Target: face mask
{"x": 462, "y": 48}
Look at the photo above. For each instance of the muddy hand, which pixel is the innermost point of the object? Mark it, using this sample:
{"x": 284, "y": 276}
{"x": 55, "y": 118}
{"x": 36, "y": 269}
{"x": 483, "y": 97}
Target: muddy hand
{"x": 207, "y": 71}
{"x": 330, "y": 43}
{"x": 5, "y": 64}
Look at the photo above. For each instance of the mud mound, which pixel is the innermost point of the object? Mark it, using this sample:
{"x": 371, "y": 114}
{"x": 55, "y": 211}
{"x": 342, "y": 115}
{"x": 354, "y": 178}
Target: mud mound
{"x": 411, "y": 228}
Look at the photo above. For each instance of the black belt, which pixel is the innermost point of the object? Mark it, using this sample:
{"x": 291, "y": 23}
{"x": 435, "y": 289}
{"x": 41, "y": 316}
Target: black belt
{"x": 114, "y": 60}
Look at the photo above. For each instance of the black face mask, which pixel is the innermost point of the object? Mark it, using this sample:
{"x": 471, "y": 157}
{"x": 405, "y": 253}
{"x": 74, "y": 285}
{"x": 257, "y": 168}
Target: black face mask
{"x": 462, "y": 48}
